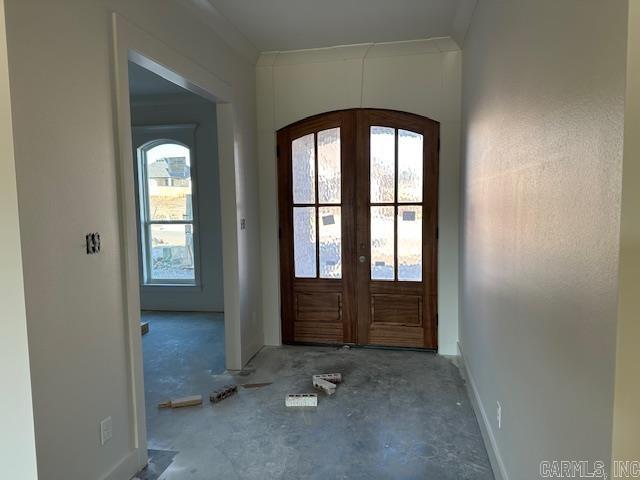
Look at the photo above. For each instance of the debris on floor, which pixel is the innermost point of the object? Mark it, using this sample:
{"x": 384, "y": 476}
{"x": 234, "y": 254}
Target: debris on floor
{"x": 330, "y": 377}
{"x": 321, "y": 384}
{"x": 223, "y": 393}
{"x": 191, "y": 401}
{"x": 255, "y": 385}
{"x": 159, "y": 461}
{"x": 144, "y": 328}
{"x": 301, "y": 400}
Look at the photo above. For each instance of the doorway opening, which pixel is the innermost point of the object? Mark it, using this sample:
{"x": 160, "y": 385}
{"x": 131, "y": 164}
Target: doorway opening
{"x": 183, "y": 259}
{"x": 358, "y": 228}
{"x": 176, "y": 170}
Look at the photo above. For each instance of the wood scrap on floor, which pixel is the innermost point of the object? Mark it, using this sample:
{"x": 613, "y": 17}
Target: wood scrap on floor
{"x": 329, "y": 377}
{"x": 190, "y": 401}
{"x": 223, "y": 393}
{"x": 144, "y": 328}
{"x": 255, "y": 385}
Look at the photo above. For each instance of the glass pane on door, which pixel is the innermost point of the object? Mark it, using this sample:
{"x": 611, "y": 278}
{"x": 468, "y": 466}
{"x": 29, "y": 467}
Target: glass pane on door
{"x": 304, "y": 241}
{"x": 382, "y": 243}
{"x": 410, "y": 243}
{"x": 329, "y": 166}
{"x": 409, "y": 167}
{"x": 382, "y": 164}
{"x": 330, "y": 233}
{"x": 304, "y": 169}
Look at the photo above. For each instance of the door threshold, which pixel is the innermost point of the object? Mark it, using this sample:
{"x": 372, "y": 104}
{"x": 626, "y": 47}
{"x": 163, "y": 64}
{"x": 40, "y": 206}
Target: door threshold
{"x": 369, "y": 347}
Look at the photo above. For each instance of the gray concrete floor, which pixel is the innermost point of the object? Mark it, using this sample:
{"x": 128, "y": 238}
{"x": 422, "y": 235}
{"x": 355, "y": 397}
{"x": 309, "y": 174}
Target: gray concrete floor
{"x": 397, "y": 415}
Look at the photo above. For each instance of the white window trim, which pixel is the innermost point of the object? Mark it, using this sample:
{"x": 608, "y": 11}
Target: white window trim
{"x": 149, "y": 136}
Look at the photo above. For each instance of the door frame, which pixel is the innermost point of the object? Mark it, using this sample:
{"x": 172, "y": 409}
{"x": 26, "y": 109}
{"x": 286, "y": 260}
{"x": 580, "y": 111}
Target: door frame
{"x": 352, "y": 200}
{"x": 131, "y": 43}
{"x": 345, "y": 120}
{"x": 431, "y": 141}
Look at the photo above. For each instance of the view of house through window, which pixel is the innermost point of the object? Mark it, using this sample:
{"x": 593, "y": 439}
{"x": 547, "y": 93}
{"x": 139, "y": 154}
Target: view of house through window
{"x": 167, "y": 220}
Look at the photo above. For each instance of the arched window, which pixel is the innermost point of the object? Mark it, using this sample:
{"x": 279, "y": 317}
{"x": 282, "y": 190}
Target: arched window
{"x": 167, "y": 224}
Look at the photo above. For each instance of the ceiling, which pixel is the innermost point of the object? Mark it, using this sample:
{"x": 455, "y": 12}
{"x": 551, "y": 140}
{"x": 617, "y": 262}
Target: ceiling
{"x": 143, "y": 82}
{"x": 277, "y": 25}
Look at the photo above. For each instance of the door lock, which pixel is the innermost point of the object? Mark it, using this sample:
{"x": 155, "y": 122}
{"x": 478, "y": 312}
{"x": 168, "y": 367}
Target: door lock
{"x": 362, "y": 259}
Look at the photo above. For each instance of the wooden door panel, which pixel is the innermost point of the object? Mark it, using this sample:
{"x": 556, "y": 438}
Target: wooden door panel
{"x": 396, "y": 336}
{"x": 397, "y": 305}
{"x": 318, "y": 307}
{"x": 398, "y": 310}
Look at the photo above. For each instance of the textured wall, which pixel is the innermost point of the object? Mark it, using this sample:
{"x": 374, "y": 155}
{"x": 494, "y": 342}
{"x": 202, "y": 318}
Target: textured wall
{"x": 543, "y": 98}
{"x": 421, "y": 77}
{"x": 60, "y": 65}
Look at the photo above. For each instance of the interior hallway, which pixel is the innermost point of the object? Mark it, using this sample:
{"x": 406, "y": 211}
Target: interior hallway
{"x": 398, "y": 414}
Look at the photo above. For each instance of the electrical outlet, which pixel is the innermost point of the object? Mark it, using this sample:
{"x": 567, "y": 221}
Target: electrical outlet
{"x": 499, "y": 415}
{"x": 106, "y": 430}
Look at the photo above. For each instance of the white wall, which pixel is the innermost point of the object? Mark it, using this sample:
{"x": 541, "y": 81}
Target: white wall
{"x": 543, "y": 104}
{"x": 60, "y": 65}
{"x": 182, "y": 109}
{"x": 17, "y": 442}
{"x": 627, "y": 391}
{"x": 421, "y": 77}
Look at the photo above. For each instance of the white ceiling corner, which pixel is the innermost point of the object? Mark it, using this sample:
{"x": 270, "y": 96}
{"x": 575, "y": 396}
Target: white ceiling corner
{"x": 209, "y": 14}
{"x": 462, "y": 20}
{"x": 283, "y": 25}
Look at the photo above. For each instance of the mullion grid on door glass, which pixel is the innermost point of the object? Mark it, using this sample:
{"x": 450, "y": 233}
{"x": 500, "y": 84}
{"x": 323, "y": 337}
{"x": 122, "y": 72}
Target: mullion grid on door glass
{"x": 317, "y": 205}
{"x": 317, "y": 210}
{"x": 396, "y": 204}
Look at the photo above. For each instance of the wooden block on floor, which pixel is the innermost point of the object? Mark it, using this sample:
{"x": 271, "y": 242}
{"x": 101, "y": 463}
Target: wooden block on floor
{"x": 191, "y": 401}
{"x": 144, "y": 328}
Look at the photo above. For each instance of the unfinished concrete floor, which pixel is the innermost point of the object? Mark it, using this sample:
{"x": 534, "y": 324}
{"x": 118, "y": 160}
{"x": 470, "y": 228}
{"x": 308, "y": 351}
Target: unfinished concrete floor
{"x": 397, "y": 415}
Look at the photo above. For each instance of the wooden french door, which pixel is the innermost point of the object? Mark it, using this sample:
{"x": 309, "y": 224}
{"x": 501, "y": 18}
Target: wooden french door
{"x": 357, "y": 193}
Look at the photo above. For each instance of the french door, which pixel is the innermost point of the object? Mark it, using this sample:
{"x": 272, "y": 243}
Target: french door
{"x": 357, "y": 193}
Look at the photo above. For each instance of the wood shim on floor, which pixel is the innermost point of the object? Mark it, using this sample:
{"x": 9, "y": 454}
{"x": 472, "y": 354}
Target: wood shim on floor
{"x": 301, "y": 400}
{"x": 191, "y": 401}
{"x": 255, "y": 385}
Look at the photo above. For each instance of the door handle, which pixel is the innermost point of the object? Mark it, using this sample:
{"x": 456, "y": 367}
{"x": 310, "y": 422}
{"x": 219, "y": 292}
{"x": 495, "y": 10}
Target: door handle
{"x": 362, "y": 259}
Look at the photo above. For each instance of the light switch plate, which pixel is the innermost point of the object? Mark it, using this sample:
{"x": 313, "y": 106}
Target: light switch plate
{"x": 106, "y": 430}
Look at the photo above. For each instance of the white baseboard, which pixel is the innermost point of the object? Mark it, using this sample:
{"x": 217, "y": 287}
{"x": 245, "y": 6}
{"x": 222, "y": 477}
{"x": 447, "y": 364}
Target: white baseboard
{"x": 499, "y": 470}
{"x": 128, "y": 467}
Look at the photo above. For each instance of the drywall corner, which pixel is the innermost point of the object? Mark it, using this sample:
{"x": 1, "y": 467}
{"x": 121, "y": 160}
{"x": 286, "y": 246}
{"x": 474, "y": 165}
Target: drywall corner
{"x": 499, "y": 471}
{"x": 626, "y": 417}
{"x": 17, "y": 438}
